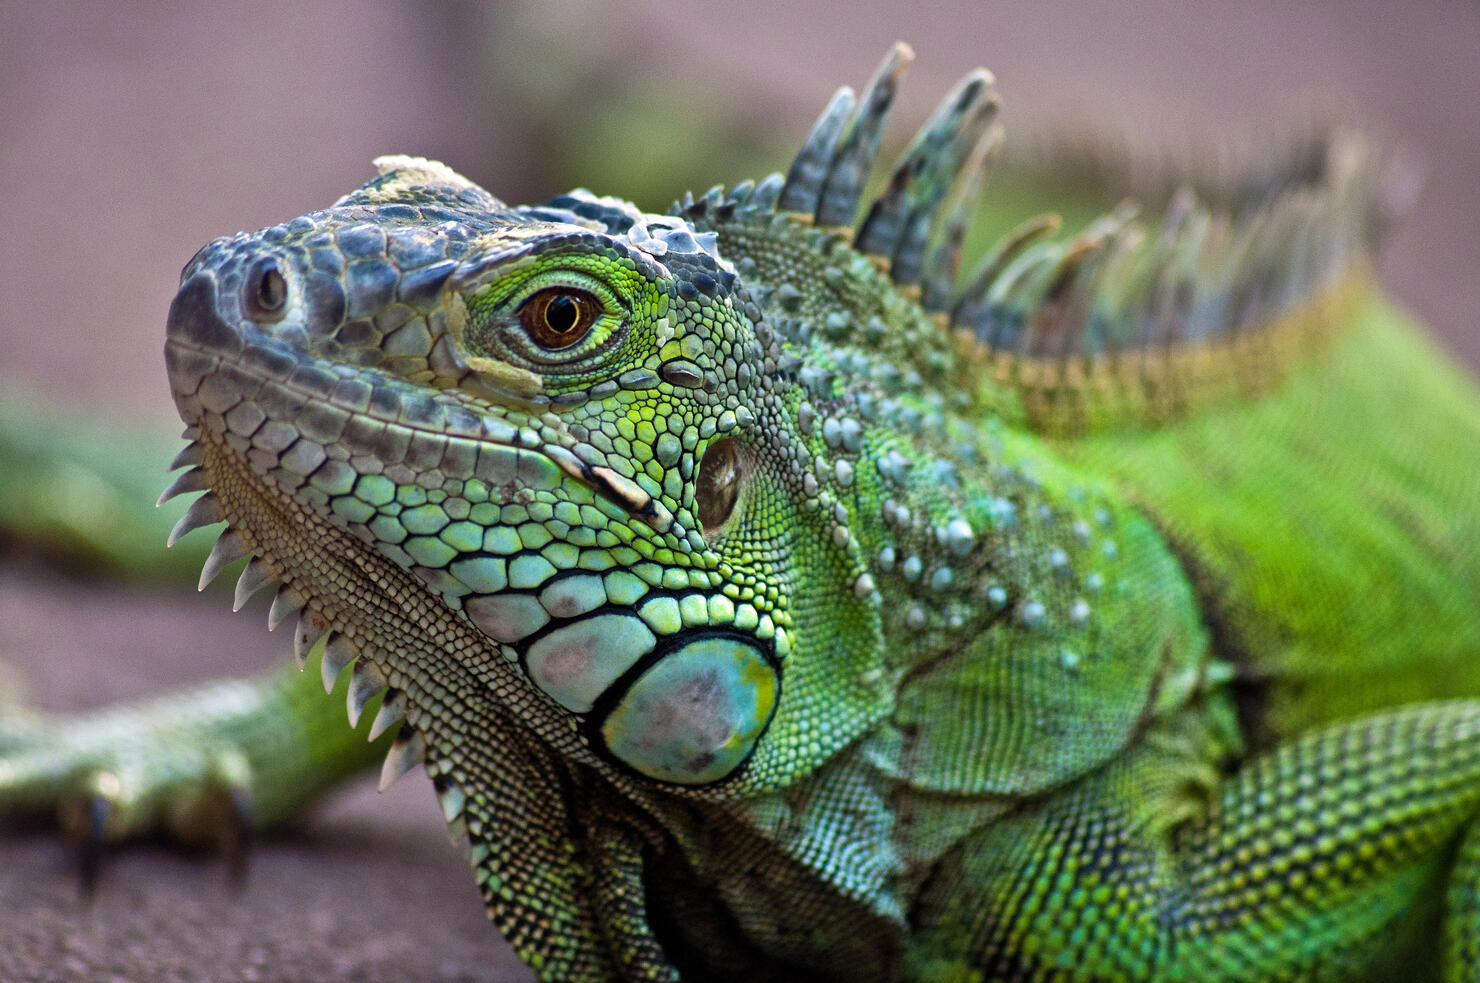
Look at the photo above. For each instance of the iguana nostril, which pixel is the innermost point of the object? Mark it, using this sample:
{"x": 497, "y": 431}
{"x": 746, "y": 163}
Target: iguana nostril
{"x": 195, "y": 322}
{"x": 266, "y": 291}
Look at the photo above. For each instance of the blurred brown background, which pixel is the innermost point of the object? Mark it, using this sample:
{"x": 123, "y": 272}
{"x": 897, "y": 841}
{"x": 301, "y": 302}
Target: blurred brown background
{"x": 130, "y": 134}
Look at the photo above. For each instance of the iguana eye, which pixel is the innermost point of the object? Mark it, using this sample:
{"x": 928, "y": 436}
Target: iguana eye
{"x": 559, "y": 317}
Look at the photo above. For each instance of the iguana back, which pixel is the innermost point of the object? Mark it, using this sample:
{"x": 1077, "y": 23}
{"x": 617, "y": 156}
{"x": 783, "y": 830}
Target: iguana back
{"x": 1312, "y": 458}
{"x": 1332, "y": 524}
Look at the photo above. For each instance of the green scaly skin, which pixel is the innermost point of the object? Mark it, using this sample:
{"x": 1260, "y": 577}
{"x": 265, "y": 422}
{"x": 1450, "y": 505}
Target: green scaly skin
{"x": 764, "y": 607}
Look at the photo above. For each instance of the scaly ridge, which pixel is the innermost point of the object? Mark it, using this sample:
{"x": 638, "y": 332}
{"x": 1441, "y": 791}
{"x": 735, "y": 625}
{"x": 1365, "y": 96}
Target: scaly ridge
{"x": 204, "y": 511}
{"x": 827, "y": 178}
{"x": 1115, "y": 301}
{"x": 392, "y": 710}
{"x": 193, "y": 480}
{"x": 366, "y": 681}
{"x": 285, "y": 603}
{"x": 229, "y": 547}
{"x": 312, "y": 626}
{"x": 339, "y": 652}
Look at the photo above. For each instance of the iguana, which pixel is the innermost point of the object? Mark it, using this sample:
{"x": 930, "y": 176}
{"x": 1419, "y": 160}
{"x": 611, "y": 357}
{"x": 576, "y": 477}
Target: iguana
{"x": 768, "y": 602}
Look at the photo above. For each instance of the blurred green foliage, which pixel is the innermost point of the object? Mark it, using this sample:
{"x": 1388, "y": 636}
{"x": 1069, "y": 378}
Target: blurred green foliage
{"x": 80, "y": 492}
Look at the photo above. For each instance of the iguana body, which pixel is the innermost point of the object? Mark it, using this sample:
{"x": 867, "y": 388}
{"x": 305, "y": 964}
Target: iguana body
{"x": 764, "y": 606}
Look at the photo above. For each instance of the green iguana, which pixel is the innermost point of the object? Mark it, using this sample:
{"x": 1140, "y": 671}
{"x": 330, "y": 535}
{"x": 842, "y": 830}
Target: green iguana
{"x": 766, "y": 605}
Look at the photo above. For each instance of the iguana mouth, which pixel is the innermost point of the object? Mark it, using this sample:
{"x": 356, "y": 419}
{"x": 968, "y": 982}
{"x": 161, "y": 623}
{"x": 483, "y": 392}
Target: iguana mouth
{"x": 253, "y": 423}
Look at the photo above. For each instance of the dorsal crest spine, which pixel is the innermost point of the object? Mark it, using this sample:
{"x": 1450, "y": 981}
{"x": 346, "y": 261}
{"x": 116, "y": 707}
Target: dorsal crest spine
{"x": 1128, "y": 302}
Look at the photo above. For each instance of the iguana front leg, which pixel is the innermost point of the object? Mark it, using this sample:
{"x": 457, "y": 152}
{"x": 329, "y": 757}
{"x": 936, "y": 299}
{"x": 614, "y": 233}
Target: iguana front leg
{"x": 204, "y": 765}
{"x": 1318, "y": 860}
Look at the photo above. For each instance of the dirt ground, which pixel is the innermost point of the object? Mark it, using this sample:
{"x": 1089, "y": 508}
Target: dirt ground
{"x": 130, "y": 135}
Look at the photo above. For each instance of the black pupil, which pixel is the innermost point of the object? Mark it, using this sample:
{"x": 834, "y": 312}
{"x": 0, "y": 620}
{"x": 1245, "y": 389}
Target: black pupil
{"x": 562, "y": 313}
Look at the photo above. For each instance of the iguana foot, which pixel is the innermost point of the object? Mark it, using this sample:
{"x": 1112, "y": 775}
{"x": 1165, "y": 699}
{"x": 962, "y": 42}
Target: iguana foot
{"x": 144, "y": 770}
{"x": 203, "y": 768}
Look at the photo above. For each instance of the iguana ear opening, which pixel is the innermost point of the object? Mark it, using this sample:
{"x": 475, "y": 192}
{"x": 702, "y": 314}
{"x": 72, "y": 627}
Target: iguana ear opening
{"x": 722, "y": 473}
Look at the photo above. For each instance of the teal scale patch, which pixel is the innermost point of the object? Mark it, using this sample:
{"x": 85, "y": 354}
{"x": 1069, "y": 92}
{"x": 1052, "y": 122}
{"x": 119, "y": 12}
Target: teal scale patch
{"x": 429, "y": 551}
{"x": 529, "y": 570}
{"x": 506, "y": 617}
{"x": 574, "y": 664}
{"x": 482, "y": 574}
{"x": 572, "y": 597}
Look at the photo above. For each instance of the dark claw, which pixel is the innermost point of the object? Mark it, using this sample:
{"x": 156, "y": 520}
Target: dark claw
{"x": 236, "y": 835}
{"x": 91, "y": 842}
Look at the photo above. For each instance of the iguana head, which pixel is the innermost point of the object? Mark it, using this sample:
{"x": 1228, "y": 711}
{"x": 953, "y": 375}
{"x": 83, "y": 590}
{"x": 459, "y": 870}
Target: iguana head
{"x": 569, "y": 423}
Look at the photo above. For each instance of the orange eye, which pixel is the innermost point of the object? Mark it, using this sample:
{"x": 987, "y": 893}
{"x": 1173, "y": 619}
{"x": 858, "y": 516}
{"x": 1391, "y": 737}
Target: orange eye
{"x": 559, "y": 317}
